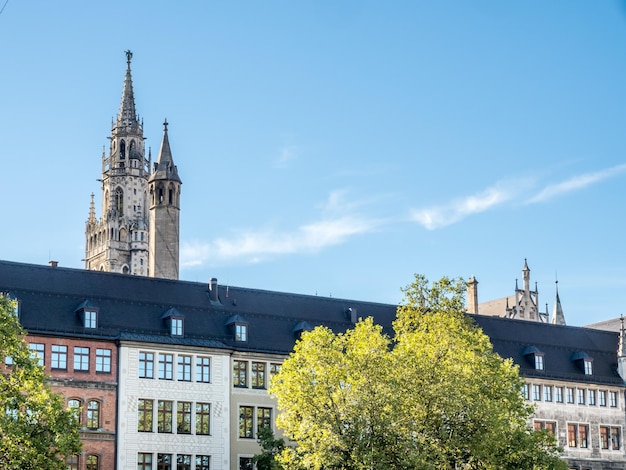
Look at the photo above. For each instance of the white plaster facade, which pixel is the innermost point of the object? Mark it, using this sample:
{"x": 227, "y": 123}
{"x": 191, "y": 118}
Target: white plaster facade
{"x": 132, "y": 388}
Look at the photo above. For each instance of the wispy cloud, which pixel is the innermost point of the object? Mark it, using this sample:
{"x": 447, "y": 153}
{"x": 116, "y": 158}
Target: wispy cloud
{"x": 576, "y": 183}
{"x": 254, "y": 246}
{"x": 440, "y": 216}
{"x": 286, "y": 156}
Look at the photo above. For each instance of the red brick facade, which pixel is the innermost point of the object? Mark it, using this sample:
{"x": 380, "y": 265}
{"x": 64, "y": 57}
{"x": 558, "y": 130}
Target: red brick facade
{"x": 84, "y": 371}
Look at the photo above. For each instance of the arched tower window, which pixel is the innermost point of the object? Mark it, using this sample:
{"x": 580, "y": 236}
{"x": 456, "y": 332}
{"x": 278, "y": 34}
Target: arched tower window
{"x": 122, "y": 149}
{"x": 119, "y": 201}
{"x": 170, "y": 196}
{"x": 160, "y": 194}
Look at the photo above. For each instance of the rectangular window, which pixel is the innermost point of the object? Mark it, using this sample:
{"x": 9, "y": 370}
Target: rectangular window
{"x": 164, "y": 461}
{"x": 81, "y": 359}
{"x": 245, "y": 463}
{"x": 526, "y": 391}
{"x": 203, "y": 369}
{"x": 164, "y": 416}
{"x": 588, "y": 367}
{"x": 610, "y": 437}
{"x": 602, "y": 397}
{"x": 583, "y": 434}
{"x": 274, "y": 369}
{"x": 103, "y": 360}
{"x": 203, "y": 462}
{"x": 263, "y": 418}
{"x": 146, "y": 365}
{"x": 177, "y": 326}
{"x": 569, "y": 393}
{"x": 613, "y": 399}
{"x": 257, "y": 374}
{"x": 240, "y": 373}
{"x": 203, "y": 419}
{"x": 144, "y": 415}
{"x": 166, "y": 366}
{"x": 572, "y": 435}
{"x": 72, "y": 462}
{"x": 558, "y": 394}
{"x": 581, "y": 396}
{"x": 90, "y": 319}
{"x": 245, "y": 422}
{"x": 184, "y": 368}
{"x": 144, "y": 461}
{"x": 536, "y": 392}
{"x": 37, "y": 351}
{"x": 58, "y": 360}
{"x": 241, "y": 332}
{"x": 615, "y": 438}
{"x": 183, "y": 418}
{"x": 550, "y": 426}
{"x": 74, "y": 405}
{"x": 591, "y": 397}
{"x": 547, "y": 393}
{"x": 183, "y": 462}
{"x": 539, "y": 361}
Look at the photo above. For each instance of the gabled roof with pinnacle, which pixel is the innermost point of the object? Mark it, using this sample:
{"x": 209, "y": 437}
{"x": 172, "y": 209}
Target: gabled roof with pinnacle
{"x": 164, "y": 168}
{"x": 127, "y": 116}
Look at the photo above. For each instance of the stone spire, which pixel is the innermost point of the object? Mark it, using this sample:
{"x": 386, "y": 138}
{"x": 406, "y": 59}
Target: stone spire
{"x": 621, "y": 351}
{"x": 92, "y": 211}
{"x": 127, "y": 116}
{"x": 558, "y": 318}
{"x": 164, "y": 169}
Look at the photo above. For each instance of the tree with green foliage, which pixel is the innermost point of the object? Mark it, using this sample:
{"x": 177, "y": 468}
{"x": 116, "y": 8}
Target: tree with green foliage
{"x": 36, "y": 429}
{"x": 270, "y": 448}
{"x": 435, "y": 396}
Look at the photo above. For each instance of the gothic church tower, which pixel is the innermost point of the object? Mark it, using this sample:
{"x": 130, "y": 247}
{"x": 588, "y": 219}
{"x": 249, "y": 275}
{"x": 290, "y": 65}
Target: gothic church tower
{"x": 121, "y": 239}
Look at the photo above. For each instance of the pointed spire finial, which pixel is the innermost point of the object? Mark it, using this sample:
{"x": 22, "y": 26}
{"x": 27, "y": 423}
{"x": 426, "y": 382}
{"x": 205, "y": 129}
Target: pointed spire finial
{"x": 129, "y": 56}
{"x": 622, "y": 338}
{"x": 165, "y": 125}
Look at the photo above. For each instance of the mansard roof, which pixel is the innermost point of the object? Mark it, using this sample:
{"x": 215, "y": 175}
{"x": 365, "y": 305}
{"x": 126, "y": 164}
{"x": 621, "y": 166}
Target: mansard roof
{"x": 131, "y": 308}
{"x": 560, "y": 345}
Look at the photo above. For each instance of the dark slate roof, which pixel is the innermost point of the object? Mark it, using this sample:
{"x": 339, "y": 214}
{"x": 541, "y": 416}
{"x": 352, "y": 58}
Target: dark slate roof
{"x": 561, "y": 346}
{"x": 132, "y": 308}
{"x": 135, "y": 306}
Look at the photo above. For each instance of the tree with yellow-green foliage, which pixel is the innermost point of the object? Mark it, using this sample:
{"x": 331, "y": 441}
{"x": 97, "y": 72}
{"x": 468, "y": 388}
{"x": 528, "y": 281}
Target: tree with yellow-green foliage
{"x": 435, "y": 396}
{"x": 37, "y": 431}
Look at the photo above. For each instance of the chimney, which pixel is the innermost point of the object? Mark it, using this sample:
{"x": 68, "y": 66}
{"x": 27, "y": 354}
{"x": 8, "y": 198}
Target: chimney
{"x": 53, "y": 264}
{"x": 351, "y": 312}
{"x": 472, "y": 295}
{"x": 213, "y": 289}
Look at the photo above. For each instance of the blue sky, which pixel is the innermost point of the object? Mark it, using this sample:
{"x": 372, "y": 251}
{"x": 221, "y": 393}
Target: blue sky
{"x": 336, "y": 148}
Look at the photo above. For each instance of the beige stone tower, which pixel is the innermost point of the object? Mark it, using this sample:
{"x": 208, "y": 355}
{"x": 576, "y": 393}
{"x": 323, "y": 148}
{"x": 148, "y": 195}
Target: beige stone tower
{"x": 164, "y": 188}
{"x": 118, "y": 242}
{"x": 125, "y": 239}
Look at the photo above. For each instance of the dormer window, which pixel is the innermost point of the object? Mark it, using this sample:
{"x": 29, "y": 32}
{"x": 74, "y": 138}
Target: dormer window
{"x": 535, "y": 356}
{"x": 88, "y": 314}
{"x": 584, "y": 362}
{"x": 174, "y": 321}
{"x": 301, "y": 328}
{"x": 238, "y": 327}
{"x": 241, "y": 332}
{"x": 91, "y": 318}
{"x": 177, "y": 327}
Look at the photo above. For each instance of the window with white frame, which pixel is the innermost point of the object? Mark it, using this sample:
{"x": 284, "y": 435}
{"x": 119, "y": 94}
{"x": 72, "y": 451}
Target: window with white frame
{"x": 177, "y": 326}
{"x": 91, "y": 319}
{"x": 569, "y": 395}
{"x": 547, "y": 393}
{"x": 536, "y": 392}
{"x": 591, "y": 397}
{"x": 580, "y": 393}
{"x": 602, "y": 397}
{"x": 166, "y": 366}
{"x": 558, "y": 394}
{"x": 103, "y": 360}
{"x": 613, "y": 399}
{"x": 588, "y": 364}
{"x": 37, "y": 351}
{"x": 184, "y": 368}
{"x": 203, "y": 369}
{"x": 81, "y": 359}
{"x": 58, "y": 359}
